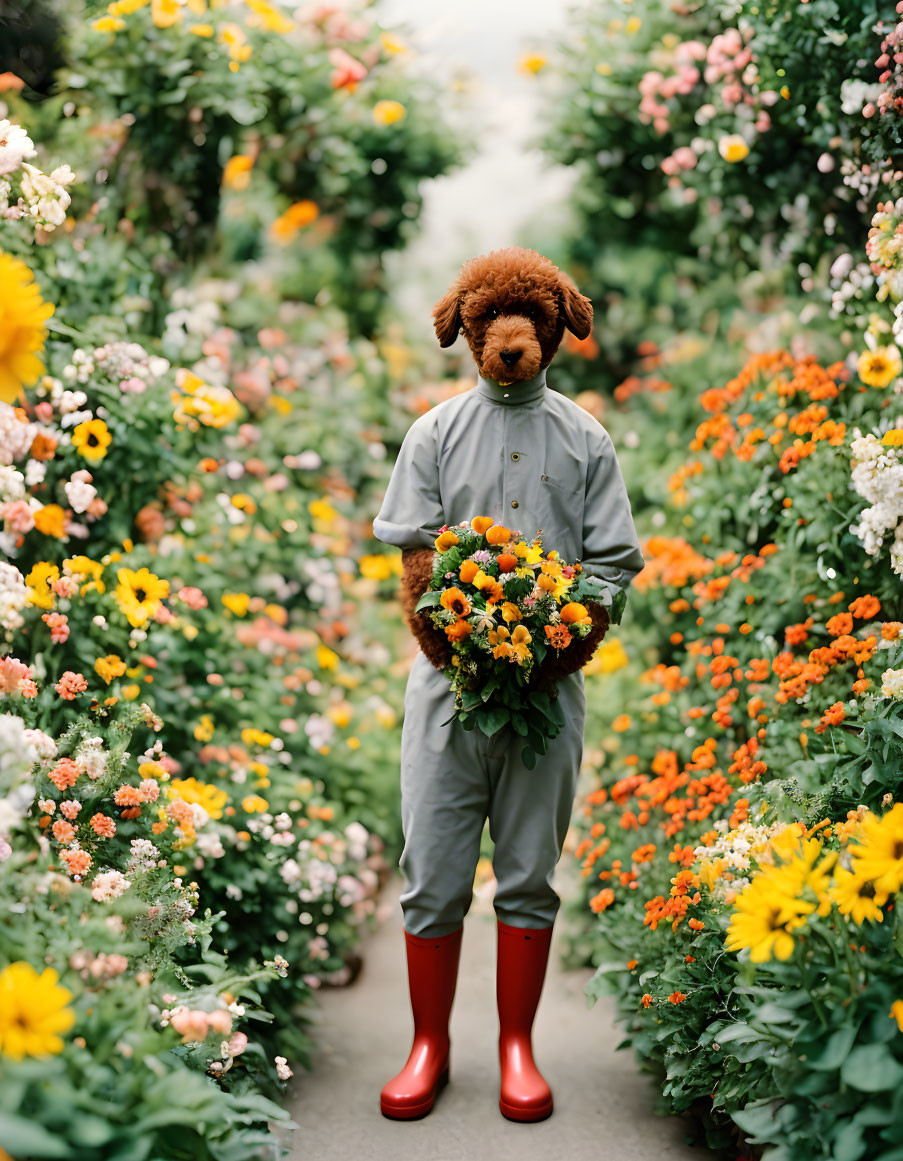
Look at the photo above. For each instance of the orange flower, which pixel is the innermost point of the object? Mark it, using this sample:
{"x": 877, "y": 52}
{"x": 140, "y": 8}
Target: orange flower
{"x": 507, "y": 562}
{"x": 64, "y": 774}
{"x": 468, "y": 571}
{"x": 455, "y": 601}
{"x": 481, "y": 523}
{"x": 559, "y": 636}
{"x": 497, "y": 534}
{"x": 676, "y": 997}
{"x": 646, "y": 1000}
{"x": 604, "y": 899}
{"x": 446, "y": 540}
{"x": 459, "y": 630}
{"x": 103, "y": 825}
{"x": 573, "y": 611}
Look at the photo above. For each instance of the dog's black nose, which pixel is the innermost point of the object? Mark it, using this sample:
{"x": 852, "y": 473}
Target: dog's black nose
{"x": 509, "y": 358}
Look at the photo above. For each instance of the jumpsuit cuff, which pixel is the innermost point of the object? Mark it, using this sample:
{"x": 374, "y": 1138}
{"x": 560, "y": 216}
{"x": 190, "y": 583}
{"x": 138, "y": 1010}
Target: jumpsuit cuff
{"x": 404, "y": 535}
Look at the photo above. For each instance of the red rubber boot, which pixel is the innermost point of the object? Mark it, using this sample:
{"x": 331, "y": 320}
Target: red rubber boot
{"x": 432, "y": 975}
{"x": 522, "y": 957}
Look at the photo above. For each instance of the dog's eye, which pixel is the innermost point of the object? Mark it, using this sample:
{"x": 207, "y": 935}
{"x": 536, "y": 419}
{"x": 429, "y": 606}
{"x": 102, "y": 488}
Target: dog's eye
{"x": 492, "y": 312}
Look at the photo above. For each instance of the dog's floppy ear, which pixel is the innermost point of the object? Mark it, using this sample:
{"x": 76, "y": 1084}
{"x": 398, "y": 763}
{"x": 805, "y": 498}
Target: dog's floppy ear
{"x": 576, "y": 308}
{"x": 447, "y": 317}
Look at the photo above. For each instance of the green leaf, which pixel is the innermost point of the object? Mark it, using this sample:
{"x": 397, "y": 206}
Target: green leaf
{"x": 519, "y": 724}
{"x": 428, "y": 600}
{"x": 28, "y": 1139}
{"x": 871, "y": 1068}
{"x": 492, "y": 720}
{"x": 528, "y": 757}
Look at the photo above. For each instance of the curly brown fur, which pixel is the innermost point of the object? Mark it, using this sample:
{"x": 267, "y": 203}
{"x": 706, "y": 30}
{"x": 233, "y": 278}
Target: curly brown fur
{"x": 513, "y": 306}
{"x": 417, "y": 570}
{"x": 557, "y": 664}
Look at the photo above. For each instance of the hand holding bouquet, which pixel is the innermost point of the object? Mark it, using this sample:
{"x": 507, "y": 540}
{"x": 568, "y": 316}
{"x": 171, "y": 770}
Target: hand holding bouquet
{"x": 504, "y": 607}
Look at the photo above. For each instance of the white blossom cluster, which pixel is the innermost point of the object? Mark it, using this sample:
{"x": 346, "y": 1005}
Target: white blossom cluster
{"x": 877, "y": 476}
{"x": 13, "y": 597}
{"x": 731, "y": 853}
{"x": 25, "y": 191}
{"x": 892, "y": 683}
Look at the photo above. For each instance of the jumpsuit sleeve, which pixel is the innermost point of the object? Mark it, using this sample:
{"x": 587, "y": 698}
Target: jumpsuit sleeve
{"x": 411, "y": 513}
{"x": 611, "y": 548}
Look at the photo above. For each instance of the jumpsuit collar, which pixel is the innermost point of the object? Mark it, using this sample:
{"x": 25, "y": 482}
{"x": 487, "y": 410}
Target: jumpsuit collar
{"x": 525, "y": 391}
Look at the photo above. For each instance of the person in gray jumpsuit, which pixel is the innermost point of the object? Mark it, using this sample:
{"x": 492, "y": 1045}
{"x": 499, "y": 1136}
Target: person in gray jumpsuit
{"x": 535, "y": 461}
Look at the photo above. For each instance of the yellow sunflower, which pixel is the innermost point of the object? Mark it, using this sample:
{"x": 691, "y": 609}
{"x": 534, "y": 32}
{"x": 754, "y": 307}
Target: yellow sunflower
{"x": 879, "y": 367}
{"x": 22, "y": 333}
{"x": 91, "y": 439}
{"x": 139, "y": 594}
{"x": 33, "y": 1011}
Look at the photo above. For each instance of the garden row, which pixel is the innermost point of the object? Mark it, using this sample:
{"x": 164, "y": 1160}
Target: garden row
{"x": 198, "y": 750}
{"x": 741, "y": 835}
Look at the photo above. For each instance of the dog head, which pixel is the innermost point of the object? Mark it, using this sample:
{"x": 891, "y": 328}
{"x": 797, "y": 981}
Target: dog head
{"x": 512, "y": 306}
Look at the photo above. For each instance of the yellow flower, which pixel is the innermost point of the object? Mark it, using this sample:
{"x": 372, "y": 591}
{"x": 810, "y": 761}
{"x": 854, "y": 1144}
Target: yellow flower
{"x": 879, "y": 367}
{"x": 634, "y": 24}
{"x": 237, "y": 171}
{"x": 51, "y": 521}
{"x": 392, "y": 44}
{"x": 254, "y": 804}
{"x": 33, "y": 1011}
{"x": 204, "y": 730}
{"x": 388, "y": 112}
{"x": 520, "y": 639}
{"x": 340, "y": 713}
{"x": 532, "y": 62}
{"x": 203, "y": 403}
{"x": 39, "y": 581}
{"x": 326, "y": 658}
{"x": 88, "y": 571}
{"x": 236, "y": 603}
{"x": 611, "y": 655}
{"x": 254, "y": 737}
{"x": 732, "y": 147}
{"x": 511, "y": 612}
{"x": 211, "y": 798}
{"x": 139, "y": 594}
{"x": 109, "y": 667}
{"x": 205, "y": 30}
{"x": 125, "y": 7}
{"x": 857, "y": 897}
{"x": 378, "y": 565}
{"x": 893, "y": 438}
{"x": 91, "y": 439}
{"x": 107, "y": 24}
{"x": 896, "y": 1011}
{"x": 130, "y": 692}
{"x": 22, "y": 334}
{"x": 763, "y": 920}
{"x": 268, "y": 18}
{"x": 165, "y": 13}
{"x": 879, "y": 856}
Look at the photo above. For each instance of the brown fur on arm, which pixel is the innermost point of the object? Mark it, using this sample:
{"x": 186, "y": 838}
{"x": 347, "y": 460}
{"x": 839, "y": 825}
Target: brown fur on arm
{"x": 559, "y": 663}
{"x": 417, "y": 570}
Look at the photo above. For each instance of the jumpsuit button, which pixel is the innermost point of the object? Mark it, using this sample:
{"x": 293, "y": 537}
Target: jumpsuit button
{"x": 514, "y": 503}
{"x": 506, "y": 394}
{"x": 515, "y": 455}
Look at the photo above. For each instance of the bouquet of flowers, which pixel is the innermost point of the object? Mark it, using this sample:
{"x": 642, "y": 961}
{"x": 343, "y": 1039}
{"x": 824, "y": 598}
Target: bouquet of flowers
{"x": 503, "y": 605}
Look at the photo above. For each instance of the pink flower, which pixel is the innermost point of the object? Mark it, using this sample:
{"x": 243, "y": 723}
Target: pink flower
{"x": 18, "y": 516}
{"x": 70, "y": 684}
{"x": 58, "y": 623}
{"x": 12, "y": 674}
{"x": 347, "y": 71}
{"x": 238, "y": 1042}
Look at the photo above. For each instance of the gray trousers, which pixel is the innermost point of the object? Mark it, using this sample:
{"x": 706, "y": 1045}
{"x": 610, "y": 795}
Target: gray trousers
{"x": 452, "y": 779}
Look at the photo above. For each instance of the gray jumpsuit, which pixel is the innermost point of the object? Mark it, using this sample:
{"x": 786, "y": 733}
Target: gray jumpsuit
{"x": 531, "y": 459}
